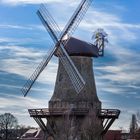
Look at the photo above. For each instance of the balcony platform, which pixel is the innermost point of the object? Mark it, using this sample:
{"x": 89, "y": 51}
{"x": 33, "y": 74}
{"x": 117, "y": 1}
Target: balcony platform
{"x": 108, "y": 116}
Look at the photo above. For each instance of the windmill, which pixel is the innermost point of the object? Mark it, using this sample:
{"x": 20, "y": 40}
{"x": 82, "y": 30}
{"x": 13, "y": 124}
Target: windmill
{"x": 58, "y": 46}
{"x": 75, "y": 75}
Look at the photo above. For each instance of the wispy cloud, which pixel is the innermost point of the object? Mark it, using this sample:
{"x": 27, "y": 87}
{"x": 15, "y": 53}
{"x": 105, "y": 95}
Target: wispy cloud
{"x": 117, "y": 74}
{"x": 18, "y": 63}
{"x": 18, "y": 2}
{"x": 19, "y": 106}
{"x": 5, "y": 26}
{"x": 16, "y": 41}
{"x": 120, "y": 69}
{"x": 118, "y": 79}
{"x": 27, "y": 102}
{"x": 22, "y": 27}
{"x": 116, "y": 28}
{"x": 23, "y": 61}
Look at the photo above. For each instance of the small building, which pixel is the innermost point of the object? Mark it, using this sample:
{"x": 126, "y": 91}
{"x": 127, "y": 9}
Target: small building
{"x": 113, "y": 135}
{"x": 119, "y": 135}
{"x": 125, "y": 136}
{"x": 33, "y": 134}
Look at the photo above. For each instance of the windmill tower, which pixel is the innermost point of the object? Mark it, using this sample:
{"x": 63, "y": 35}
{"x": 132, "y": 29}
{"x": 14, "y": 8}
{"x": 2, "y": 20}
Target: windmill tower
{"x": 74, "y": 104}
{"x": 75, "y": 107}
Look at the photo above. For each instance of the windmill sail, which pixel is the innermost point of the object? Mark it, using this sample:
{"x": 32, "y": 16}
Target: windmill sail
{"x": 28, "y": 85}
{"x": 73, "y": 73}
{"x": 76, "y": 18}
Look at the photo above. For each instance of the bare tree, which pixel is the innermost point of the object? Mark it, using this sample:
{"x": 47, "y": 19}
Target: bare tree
{"x": 69, "y": 129}
{"x": 67, "y": 124}
{"x": 138, "y": 117}
{"x": 92, "y": 127}
{"x": 138, "y": 122}
{"x": 7, "y": 124}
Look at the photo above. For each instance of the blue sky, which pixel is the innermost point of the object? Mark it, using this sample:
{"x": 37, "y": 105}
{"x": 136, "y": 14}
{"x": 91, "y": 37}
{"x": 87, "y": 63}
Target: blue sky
{"x": 24, "y": 42}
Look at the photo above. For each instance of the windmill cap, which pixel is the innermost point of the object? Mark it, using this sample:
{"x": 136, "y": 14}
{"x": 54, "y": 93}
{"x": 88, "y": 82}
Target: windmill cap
{"x": 77, "y": 47}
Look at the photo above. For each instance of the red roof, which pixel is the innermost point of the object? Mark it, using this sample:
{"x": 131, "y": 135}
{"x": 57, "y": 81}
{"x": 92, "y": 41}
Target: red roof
{"x": 113, "y": 135}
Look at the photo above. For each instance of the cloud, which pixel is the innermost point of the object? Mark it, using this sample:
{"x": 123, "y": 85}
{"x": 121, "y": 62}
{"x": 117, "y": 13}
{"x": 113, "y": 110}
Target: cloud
{"x": 19, "y": 106}
{"x": 113, "y": 24}
{"x": 28, "y": 102}
{"x": 116, "y": 28}
{"x": 5, "y": 26}
{"x": 120, "y": 81}
{"x": 117, "y": 74}
{"x": 19, "y": 2}
{"x": 16, "y": 41}
{"x": 22, "y": 27}
{"x": 23, "y": 61}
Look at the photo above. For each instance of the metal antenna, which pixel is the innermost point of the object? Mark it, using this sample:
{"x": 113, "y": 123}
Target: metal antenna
{"x": 100, "y": 37}
{"x": 53, "y": 29}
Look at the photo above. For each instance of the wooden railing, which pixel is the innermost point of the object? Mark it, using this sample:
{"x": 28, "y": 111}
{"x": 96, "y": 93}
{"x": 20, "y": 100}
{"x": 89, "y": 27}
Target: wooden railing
{"x": 44, "y": 112}
{"x": 56, "y": 111}
{"x": 109, "y": 113}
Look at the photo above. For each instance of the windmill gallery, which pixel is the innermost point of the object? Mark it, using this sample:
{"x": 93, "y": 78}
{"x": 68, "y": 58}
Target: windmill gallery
{"x": 74, "y": 111}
